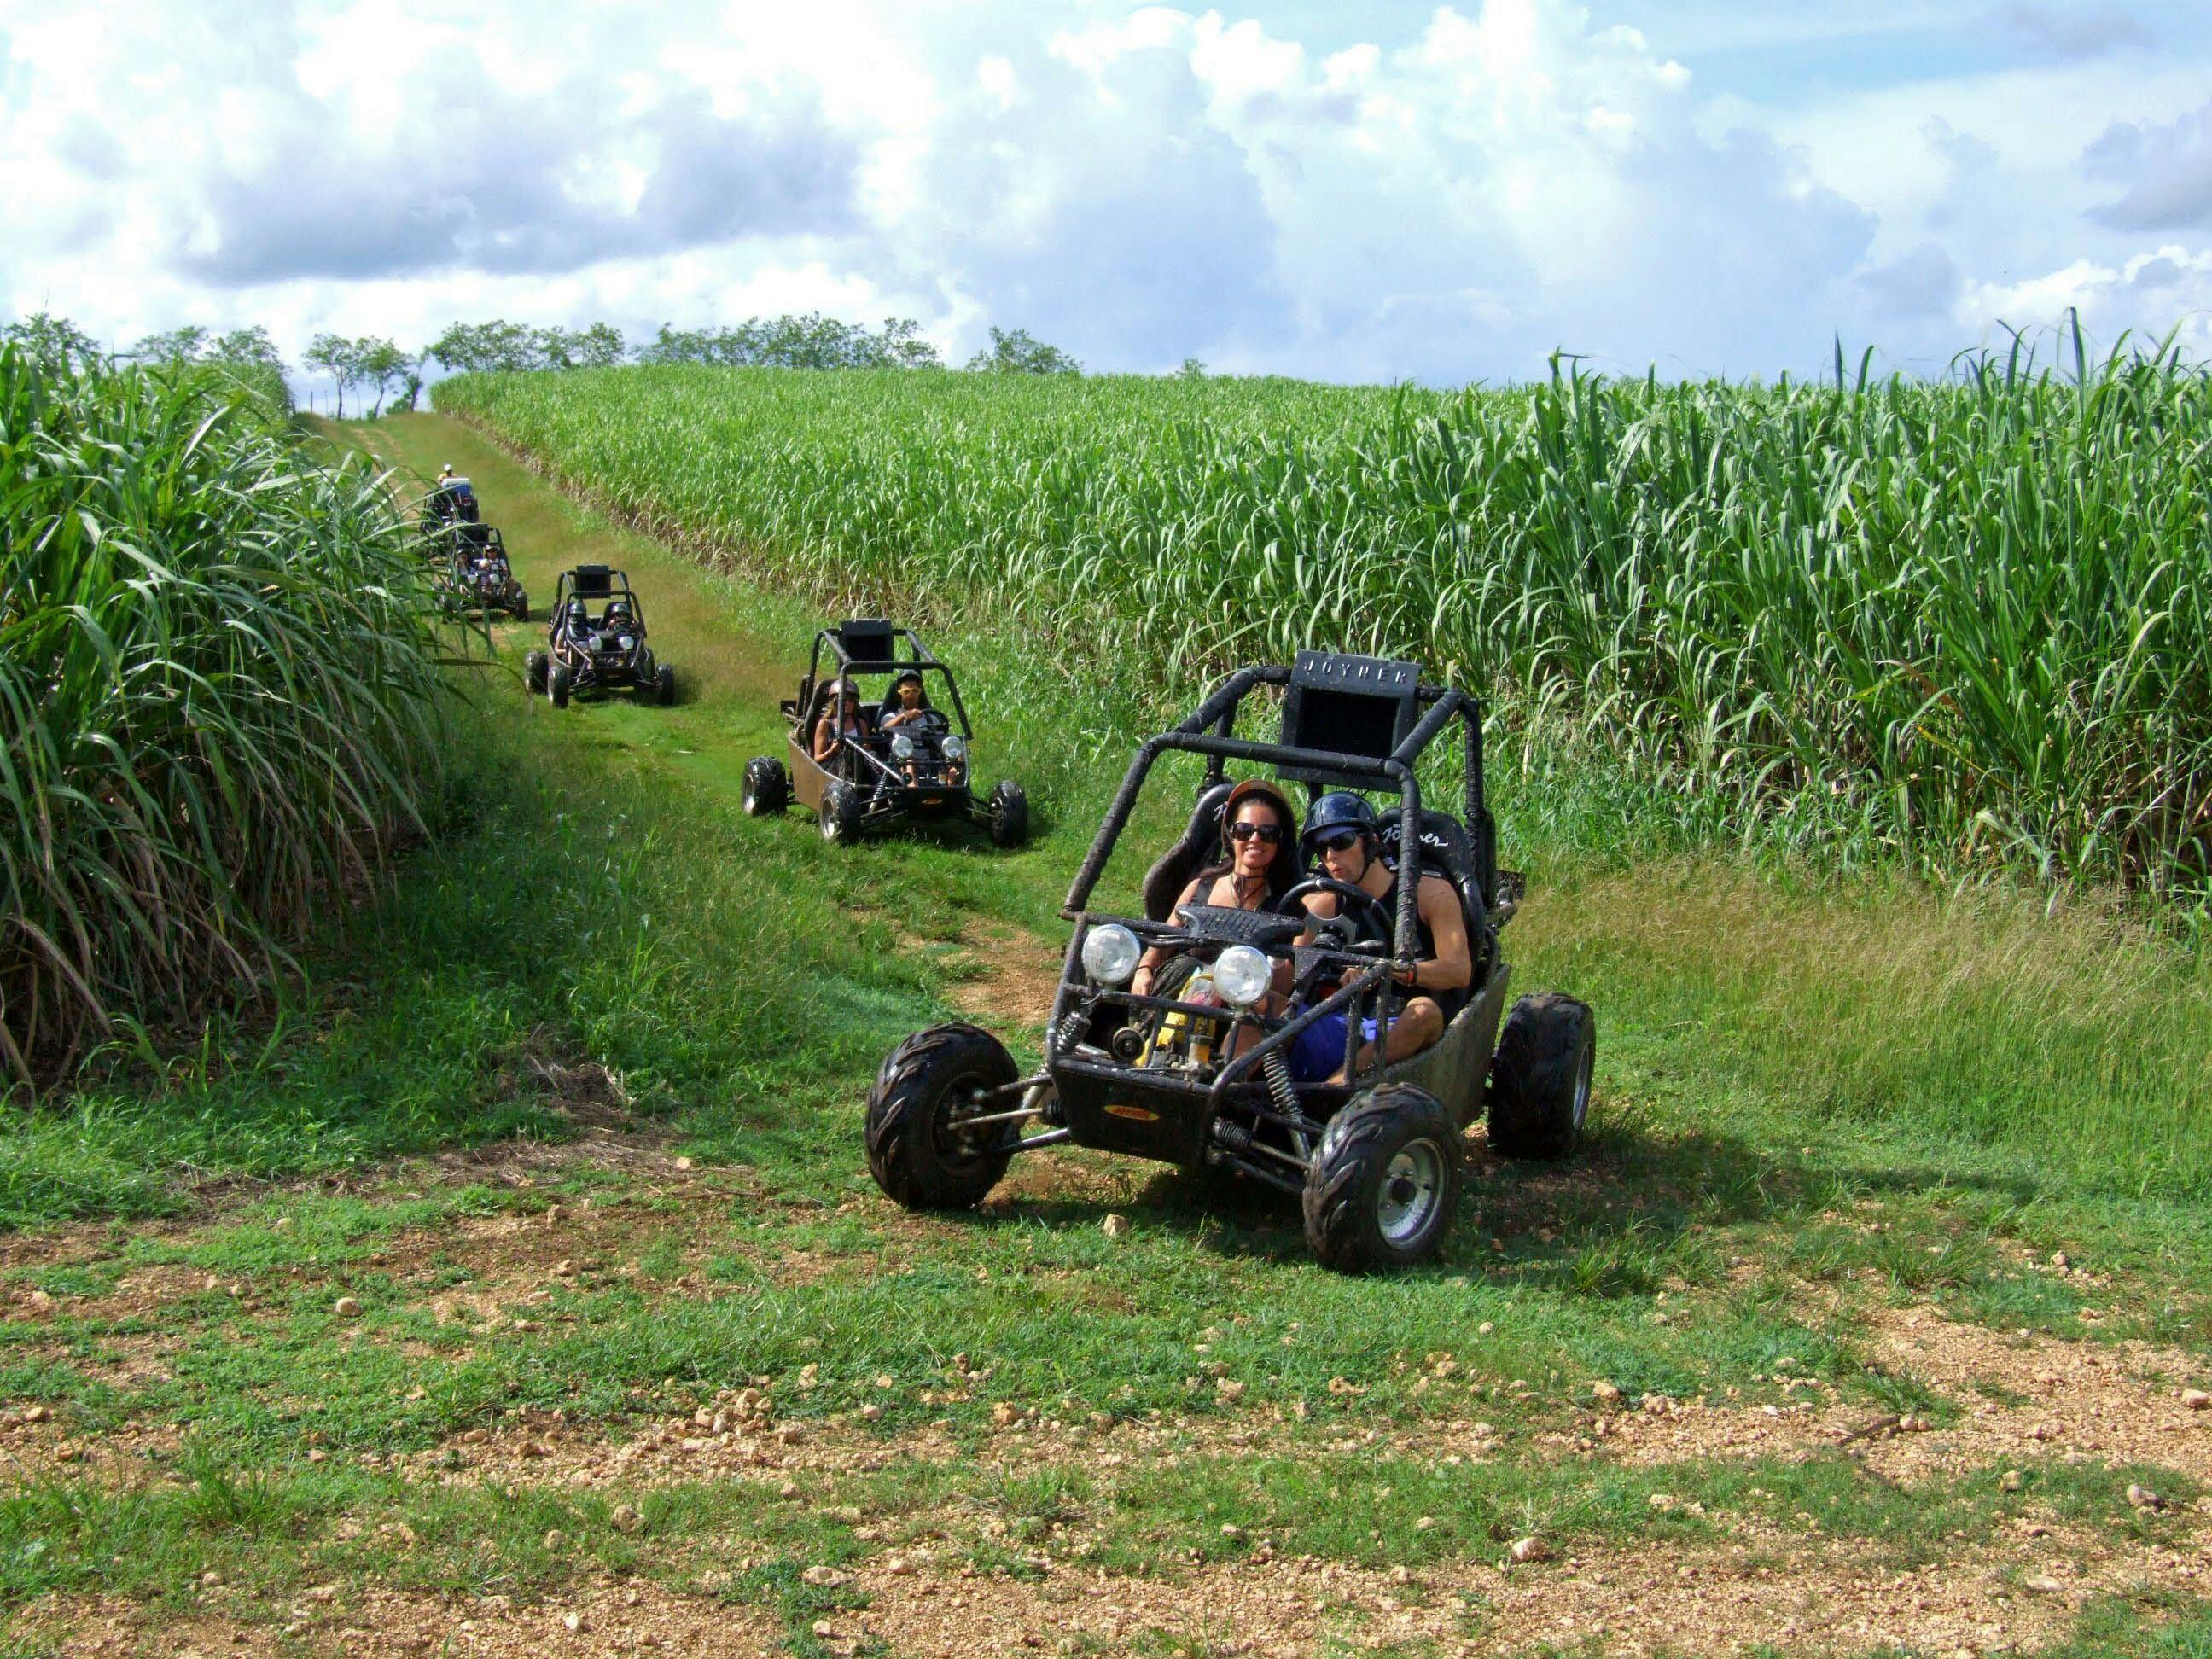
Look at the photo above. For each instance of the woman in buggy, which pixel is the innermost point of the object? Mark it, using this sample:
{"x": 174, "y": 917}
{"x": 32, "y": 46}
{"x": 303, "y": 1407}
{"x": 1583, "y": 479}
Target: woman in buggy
{"x": 841, "y": 721}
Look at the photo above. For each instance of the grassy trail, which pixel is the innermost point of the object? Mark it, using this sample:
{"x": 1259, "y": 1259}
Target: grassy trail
{"x": 631, "y": 1348}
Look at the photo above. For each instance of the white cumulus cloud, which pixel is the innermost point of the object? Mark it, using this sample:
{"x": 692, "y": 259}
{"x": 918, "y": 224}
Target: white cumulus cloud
{"x": 1444, "y": 193}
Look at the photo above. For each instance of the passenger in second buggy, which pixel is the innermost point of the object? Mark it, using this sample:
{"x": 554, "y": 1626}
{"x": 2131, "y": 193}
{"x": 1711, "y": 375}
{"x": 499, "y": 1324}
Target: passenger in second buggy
{"x": 1343, "y": 839}
{"x": 842, "y": 721}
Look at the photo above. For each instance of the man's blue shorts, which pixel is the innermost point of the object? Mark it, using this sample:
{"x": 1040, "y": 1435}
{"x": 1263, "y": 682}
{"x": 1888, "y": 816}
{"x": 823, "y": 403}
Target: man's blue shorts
{"x": 1317, "y": 1052}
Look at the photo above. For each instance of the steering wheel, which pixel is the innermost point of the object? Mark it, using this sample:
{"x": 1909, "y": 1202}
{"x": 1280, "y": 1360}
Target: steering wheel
{"x": 932, "y": 722}
{"x": 1370, "y": 907}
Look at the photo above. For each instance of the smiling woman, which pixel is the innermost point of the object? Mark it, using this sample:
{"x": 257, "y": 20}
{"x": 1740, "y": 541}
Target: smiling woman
{"x": 217, "y": 696}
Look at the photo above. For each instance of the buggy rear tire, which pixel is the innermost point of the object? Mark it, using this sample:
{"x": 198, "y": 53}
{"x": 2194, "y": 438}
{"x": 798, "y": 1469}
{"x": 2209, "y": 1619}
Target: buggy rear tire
{"x": 533, "y": 672}
{"x": 915, "y": 1150}
{"x": 1009, "y": 816}
{"x": 767, "y": 791}
{"x": 840, "y": 813}
{"x": 1540, "y": 1077}
{"x": 559, "y": 681}
{"x": 1384, "y": 1182}
{"x": 664, "y": 684}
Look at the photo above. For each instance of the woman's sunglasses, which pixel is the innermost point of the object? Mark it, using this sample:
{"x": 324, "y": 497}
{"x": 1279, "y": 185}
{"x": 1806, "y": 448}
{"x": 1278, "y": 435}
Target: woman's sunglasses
{"x": 1266, "y": 834}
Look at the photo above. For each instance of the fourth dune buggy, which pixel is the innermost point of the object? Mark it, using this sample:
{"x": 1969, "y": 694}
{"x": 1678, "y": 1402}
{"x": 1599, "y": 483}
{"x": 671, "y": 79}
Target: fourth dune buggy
{"x": 585, "y": 653}
{"x": 1376, "y": 1162}
{"x": 919, "y": 772}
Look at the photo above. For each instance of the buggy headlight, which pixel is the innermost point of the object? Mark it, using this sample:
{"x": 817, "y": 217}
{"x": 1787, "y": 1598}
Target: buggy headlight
{"x": 1110, "y": 955}
{"x": 1241, "y": 975}
{"x": 626, "y": 643}
{"x": 954, "y": 746}
{"x": 902, "y": 746}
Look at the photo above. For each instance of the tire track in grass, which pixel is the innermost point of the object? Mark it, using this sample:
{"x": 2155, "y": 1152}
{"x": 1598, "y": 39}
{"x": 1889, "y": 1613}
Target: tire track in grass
{"x": 731, "y": 673}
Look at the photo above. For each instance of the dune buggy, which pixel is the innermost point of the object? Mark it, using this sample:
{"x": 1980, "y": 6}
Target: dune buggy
{"x": 1202, "y": 1080}
{"x": 451, "y": 501}
{"x": 880, "y": 774}
{"x": 602, "y": 652}
{"x": 477, "y": 576}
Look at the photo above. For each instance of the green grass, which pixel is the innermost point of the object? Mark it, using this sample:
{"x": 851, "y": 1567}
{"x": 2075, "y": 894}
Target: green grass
{"x": 1778, "y": 1153}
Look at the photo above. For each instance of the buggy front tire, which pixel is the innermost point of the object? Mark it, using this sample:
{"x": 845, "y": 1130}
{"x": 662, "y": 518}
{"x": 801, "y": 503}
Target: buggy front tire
{"x": 1009, "y": 816}
{"x": 1384, "y": 1182}
{"x": 767, "y": 791}
{"x": 840, "y": 813}
{"x": 533, "y": 672}
{"x": 664, "y": 684}
{"x": 559, "y": 681}
{"x": 1540, "y": 1077}
{"x": 916, "y": 1150}
{"x": 522, "y": 607}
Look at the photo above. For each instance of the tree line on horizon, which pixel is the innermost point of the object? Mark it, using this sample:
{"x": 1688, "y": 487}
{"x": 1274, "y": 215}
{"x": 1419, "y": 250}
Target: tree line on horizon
{"x": 374, "y": 365}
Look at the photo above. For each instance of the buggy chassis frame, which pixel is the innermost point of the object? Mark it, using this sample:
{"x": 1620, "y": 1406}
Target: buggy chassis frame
{"x": 1159, "y": 1115}
{"x": 887, "y": 798}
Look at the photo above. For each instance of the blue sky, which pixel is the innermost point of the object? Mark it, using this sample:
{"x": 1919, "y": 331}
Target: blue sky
{"x": 1354, "y": 191}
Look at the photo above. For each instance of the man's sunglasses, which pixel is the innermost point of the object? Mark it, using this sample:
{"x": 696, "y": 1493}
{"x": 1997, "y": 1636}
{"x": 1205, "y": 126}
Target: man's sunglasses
{"x": 1267, "y": 834}
{"x": 1341, "y": 841}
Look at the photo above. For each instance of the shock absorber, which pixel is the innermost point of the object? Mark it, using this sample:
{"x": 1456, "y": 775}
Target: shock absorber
{"x": 1277, "y": 1066}
{"x": 1071, "y": 1028}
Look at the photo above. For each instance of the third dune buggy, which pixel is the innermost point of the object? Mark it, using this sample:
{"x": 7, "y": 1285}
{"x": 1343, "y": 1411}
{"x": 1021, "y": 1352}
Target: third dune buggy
{"x": 479, "y": 576}
{"x": 891, "y": 770}
{"x": 1375, "y": 1162}
{"x": 588, "y": 650}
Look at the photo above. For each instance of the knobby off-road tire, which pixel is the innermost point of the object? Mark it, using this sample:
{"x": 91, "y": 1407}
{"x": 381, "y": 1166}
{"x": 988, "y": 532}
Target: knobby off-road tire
{"x": 533, "y": 672}
{"x": 1009, "y": 816}
{"x": 664, "y": 684}
{"x": 914, "y": 1153}
{"x": 841, "y": 813}
{"x": 558, "y": 682}
{"x": 766, "y": 790}
{"x": 1539, "y": 1078}
{"x": 522, "y": 607}
{"x": 1384, "y": 1182}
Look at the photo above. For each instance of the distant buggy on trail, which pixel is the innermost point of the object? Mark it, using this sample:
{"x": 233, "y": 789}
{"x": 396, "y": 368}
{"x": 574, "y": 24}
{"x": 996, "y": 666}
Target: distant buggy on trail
{"x": 864, "y": 759}
{"x": 451, "y": 501}
{"x": 1196, "y": 1073}
{"x": 601, "y": 651}
{"x": 477, "y": 576}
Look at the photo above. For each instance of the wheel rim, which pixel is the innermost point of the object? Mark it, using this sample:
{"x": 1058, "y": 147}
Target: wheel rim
{"x": 1411, "y": 1193}
{"x": 1582, "y": 1087}
{"x": 956, "y": 1147}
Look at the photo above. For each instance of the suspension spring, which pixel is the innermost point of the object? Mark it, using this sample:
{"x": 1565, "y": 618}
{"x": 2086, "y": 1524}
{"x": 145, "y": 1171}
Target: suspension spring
{"x": 1071, "y": 1029}
{"x": 1278, "y": 1069}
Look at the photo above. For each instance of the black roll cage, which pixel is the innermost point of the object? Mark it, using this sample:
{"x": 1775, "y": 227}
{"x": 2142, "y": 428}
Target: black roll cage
{"x": 600, "y": 582}
{"x": 1210, "y": 731}
{"x": 920, "y": 659}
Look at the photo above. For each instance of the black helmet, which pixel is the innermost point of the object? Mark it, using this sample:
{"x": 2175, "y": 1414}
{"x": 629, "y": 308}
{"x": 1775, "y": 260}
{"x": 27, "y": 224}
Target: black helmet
{"x": 1338, "y": 810}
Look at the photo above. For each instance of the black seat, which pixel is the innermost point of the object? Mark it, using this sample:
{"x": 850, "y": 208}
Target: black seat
{"x": 1446, "y": 850}
{"x": 1200, "y": 844}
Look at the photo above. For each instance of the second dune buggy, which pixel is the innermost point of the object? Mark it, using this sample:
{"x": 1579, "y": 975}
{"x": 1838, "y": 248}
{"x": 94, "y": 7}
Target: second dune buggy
{"x": 1203, "y": 1079}
{"x": 896, "y": 762}
{"x": 603, "y": 651}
